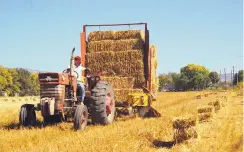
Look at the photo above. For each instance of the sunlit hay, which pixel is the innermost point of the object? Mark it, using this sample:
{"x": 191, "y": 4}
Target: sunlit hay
{"x": 129, "y": 34}
{"x": 100, "y": 35}
{"x": 154, "y": 60}
{"x": 120, "y": 82}
{"x": 204, "y": 109}
{"x": 181, "y": 135}
{"x": 184, "y": 128}
{"x": 217, "y": 105}
{"x": 114, "y": 45}
{"x": 122, "y": 94}
{"x": 198, "y": 97}
{"x": 205, "y": 117}
{"x": 183, "y": 122}
{"x": 123, "y": 63}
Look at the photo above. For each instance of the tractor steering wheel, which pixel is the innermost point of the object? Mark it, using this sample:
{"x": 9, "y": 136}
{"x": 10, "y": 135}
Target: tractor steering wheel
{"x": 67, "y": 70}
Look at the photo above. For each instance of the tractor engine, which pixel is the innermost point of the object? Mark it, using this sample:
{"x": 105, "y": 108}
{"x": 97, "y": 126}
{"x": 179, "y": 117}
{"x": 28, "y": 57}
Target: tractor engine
{"x": 54, "y": 89}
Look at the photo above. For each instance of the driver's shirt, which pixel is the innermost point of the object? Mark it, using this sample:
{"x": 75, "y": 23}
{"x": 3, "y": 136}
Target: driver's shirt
{"x": 79, "y": 70}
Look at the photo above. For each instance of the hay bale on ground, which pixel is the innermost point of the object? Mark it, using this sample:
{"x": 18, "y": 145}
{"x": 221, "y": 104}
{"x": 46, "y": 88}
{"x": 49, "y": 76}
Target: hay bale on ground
{"x": 206, "y": 95}
{"x": 198, "y": 97}
{"x": 216, "y": 105}
{"x": 204, "y": 109}
{"x": 181, "y": 135}
{"x": 205, "y": 117}
{"x": 183, "y": 122}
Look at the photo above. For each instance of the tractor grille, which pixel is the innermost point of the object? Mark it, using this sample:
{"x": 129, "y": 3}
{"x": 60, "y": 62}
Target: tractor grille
{"x": 48, "y": 77}
{"x": 52, "y": 90}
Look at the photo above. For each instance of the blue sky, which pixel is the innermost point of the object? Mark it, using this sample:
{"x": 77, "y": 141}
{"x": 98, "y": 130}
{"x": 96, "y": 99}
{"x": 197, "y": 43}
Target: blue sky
{"x": 40, "y": 34}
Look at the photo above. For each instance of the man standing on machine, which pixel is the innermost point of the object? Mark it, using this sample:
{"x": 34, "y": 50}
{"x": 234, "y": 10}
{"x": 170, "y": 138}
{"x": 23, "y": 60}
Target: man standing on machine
{"x": 78, "y": 68}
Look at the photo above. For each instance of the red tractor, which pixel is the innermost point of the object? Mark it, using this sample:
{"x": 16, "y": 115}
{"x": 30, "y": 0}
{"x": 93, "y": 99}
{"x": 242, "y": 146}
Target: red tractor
{"x": 58, "y": 100}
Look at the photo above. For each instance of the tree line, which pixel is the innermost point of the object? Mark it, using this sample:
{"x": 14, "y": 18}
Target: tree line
{"x": 194, "y": 77}
{"x": 18, "y": 81}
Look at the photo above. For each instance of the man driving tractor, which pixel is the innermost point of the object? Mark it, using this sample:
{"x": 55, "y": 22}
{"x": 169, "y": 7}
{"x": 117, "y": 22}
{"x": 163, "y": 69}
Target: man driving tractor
{"x": 78, "y": 68}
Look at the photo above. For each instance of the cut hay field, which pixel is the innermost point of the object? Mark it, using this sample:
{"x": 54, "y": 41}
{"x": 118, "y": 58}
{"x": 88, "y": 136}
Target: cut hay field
{"x": 222, "y": 134}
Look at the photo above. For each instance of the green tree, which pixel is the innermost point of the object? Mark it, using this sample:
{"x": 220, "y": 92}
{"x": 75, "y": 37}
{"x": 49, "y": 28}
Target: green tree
{"x": 164, "y": 79}
{"x": 180, "y": 81}
{"x": 196, "y": 75}
{"x": 35, "y": 87}
{"x": 25, "y": 81}
{"x": 214, "y": 77}
{"x": 240, "y": 77}
{"x": 5, "y": 80}
{"x": 15, "y": 87}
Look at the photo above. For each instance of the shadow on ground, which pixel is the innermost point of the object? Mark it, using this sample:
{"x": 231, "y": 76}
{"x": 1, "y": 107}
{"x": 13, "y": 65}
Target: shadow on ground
{"x": 163, "y": 144}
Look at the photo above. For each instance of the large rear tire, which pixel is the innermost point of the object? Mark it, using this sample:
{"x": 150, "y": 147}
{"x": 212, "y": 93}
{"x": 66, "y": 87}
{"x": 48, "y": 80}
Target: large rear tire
{"x": 102, "y": 103}
{"x": 80, "y": 117}
{"x": 27, "y": 115}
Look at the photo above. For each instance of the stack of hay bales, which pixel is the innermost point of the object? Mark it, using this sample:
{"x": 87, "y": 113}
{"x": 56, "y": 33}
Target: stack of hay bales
{"x": 184, "y": 129}
{"x": 205, "y": 113}
{"x": 121, "y": 55}
{"x": 154, "y": 65}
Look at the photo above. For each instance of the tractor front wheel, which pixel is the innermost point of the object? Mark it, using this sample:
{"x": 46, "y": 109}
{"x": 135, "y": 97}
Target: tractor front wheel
{"x": 27, "y": 115}
{"x": 80, "y": 117}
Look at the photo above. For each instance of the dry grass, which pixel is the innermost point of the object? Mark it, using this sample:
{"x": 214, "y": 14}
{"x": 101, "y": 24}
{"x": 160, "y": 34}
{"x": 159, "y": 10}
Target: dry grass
{"x": 224, "y": 133}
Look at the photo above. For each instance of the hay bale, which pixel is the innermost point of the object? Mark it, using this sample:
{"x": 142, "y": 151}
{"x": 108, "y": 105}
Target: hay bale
{"x": 123, "y": 63}
{"x": 205, "y": 109}
{"x": 114, "y": 45}
{"x": 100, "y": 35}
{"x": 217, "y": 105}
{"x": 115, "y": 35}
{"x": 129, "y": 34}
{"x": 210, "y": 103}
{"x": 206, "y": 95}
{"x": 204, "y": 117}
{"x": 181, "y": 135}
{"x": 198, "y": 97}
{"x": 183, "y": 122}
{"x": 120, "y": 82}
{"x": 122, "y": 94}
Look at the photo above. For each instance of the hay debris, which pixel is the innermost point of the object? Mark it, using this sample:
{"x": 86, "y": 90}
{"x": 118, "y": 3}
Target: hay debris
{"x": 183, "y": 122}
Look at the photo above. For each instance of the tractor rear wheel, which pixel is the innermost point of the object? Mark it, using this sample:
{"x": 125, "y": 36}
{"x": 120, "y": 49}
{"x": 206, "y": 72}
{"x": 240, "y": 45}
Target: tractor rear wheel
{"x": 80, "y": 117}
{"x": 102, "y": 103}
{"x": 27, "y": 115}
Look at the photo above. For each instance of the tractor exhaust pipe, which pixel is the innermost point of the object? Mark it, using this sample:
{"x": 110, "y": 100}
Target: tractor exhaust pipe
{"x": 72, "y": 62}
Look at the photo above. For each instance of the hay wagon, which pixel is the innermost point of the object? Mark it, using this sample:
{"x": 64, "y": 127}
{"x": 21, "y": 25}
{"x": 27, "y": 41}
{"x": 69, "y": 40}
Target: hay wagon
{"x": 126, "y": 60}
